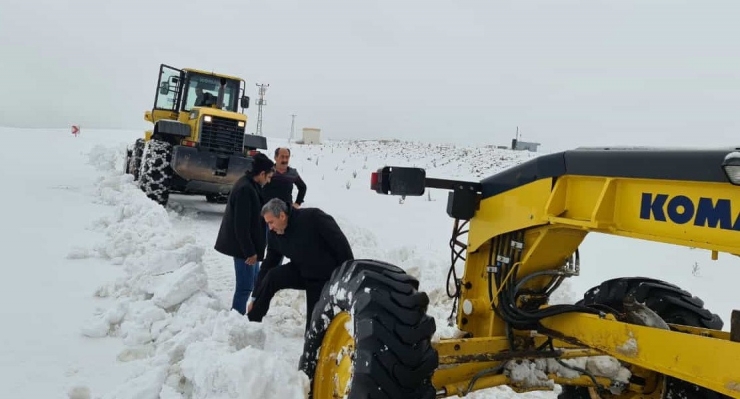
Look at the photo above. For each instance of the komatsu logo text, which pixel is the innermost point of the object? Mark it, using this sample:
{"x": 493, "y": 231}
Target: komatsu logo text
{"x": 680, "y": 209}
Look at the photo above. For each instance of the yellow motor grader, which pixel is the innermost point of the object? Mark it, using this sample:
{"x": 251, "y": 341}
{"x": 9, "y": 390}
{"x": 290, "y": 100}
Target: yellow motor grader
{"x": 633, "y": 337}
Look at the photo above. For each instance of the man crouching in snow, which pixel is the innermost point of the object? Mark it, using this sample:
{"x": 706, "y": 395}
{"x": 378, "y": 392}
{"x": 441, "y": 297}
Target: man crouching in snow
{"x": 315, "y": 245}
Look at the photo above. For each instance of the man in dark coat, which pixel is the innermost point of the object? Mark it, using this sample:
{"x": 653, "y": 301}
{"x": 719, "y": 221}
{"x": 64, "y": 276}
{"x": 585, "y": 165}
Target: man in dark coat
{"x": 242, "y": 233}
{"x": 315, "y": 245}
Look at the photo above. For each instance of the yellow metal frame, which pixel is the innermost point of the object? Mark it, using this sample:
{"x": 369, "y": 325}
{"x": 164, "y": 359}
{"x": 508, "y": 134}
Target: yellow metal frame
{"x": 554, "y": 215}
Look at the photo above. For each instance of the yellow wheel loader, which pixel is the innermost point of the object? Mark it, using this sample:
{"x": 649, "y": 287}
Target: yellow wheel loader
{"x": 628, "y": 338}
{"x": 198, "y": 144}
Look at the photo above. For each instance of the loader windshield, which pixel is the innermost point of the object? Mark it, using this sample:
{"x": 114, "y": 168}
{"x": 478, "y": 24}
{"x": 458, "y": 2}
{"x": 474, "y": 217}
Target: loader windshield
{"x": 202, "y": 91}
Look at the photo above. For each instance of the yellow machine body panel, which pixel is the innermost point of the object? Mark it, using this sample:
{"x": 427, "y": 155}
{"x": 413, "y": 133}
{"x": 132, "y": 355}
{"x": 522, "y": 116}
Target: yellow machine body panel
{"x": 697, "y": 214}
{"x": 194, "y": 119}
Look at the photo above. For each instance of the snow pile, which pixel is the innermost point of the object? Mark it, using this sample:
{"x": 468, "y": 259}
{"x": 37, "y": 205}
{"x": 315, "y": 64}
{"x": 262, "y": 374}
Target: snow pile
{"x": 189, "y": 344}
{"x": 534, "y": 373}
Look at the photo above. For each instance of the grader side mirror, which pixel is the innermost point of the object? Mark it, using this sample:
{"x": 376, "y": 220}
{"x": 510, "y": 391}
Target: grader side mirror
{"x": 399, "y": 181}
{"x": 164, "y": 88}
{"x": 245, "y": 102}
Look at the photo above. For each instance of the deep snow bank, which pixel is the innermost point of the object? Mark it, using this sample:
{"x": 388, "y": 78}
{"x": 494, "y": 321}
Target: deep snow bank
{"x": 188, "y": 344}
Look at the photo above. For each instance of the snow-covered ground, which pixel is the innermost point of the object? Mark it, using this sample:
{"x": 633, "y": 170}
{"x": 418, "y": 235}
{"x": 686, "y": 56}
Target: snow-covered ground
{"x": 97, "y": 315}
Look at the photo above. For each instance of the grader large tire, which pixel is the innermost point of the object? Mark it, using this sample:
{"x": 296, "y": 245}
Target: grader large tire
{"x": 156, "y": 171}
{"x": 672, "y": 304}
{"x": 389, "y": 354}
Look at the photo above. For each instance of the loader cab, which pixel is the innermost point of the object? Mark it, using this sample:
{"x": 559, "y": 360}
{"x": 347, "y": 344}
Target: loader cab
{"x": 181, "y": 90}
{"x": 211, "y": 91}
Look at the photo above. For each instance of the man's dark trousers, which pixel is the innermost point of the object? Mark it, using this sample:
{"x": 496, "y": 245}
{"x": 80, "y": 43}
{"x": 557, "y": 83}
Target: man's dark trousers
{"x": 285, "y": 277}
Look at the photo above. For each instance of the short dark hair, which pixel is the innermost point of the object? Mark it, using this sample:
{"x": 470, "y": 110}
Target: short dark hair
{"x": 277, "y": 150}
{"x": 261, "y": 163}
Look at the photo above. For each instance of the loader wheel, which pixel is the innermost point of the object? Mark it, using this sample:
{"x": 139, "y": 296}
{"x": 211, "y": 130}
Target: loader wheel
{"x": 369, "y": 336}
{"x": 133, "y": 161}
{"x": 672, "y": 304}
{"x": 156, "y": 171}
{"x": 217, "y": 198}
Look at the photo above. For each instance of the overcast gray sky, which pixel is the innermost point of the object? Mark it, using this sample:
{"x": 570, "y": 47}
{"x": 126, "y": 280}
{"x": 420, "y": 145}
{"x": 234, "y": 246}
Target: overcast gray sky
{"x": 568, "y": 73}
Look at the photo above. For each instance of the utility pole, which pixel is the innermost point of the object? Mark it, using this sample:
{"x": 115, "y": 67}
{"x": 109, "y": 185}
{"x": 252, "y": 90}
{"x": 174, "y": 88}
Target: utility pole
{"x": 515, "y": 142}
{"x": 261, "y": 102}
{"x": 292, "y": 128}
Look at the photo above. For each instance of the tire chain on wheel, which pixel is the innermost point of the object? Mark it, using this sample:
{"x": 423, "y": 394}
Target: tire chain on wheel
{"x": 134, "y": 162}
{"x": 673, "y": 304}
{"x": 393, "y": 357}
{"x": 127, "y": 162}
{"x": 156, "y": 171}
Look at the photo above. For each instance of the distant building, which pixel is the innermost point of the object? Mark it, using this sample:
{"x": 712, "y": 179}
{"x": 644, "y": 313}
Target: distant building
{"x": 519, "y": 145}
{"x": 311, "y": 136}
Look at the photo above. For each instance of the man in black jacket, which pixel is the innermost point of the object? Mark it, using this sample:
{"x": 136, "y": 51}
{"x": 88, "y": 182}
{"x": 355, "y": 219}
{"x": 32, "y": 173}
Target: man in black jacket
{"x": 315, "y": 245}
{"x": 242, "y": 233}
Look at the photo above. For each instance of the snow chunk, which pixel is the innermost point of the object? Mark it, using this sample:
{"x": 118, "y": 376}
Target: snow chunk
{"x": 179, "y": 286}
{"x": 530, "y": 374}
{"x": 606, "y": 366}
{"x": 560, "y": 370}
{"x": 629, "y": 348}
{"x": 216, "y": 372}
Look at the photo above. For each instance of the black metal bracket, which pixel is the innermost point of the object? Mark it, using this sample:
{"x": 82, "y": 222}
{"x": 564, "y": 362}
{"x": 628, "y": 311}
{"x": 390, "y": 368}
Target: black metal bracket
{"x": 462, "y": 201}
